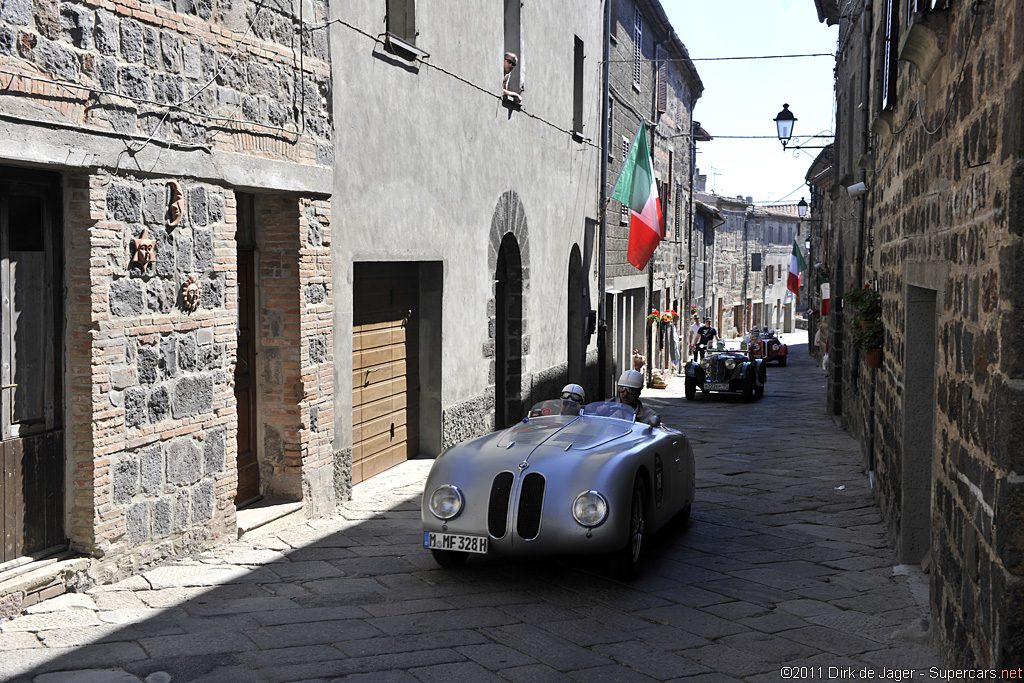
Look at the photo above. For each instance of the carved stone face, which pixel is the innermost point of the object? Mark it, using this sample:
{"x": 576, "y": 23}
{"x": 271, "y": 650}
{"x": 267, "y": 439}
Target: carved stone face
{"x": 144, "y": 250}
{"x": 191, "y": 292}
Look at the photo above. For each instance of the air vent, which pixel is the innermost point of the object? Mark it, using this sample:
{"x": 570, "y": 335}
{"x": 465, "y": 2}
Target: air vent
{"x": 497, "y": 508}
{"x": 531, "y": 504}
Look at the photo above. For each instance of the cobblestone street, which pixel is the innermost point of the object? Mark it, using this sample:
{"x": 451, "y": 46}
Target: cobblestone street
{"x": 784, "y": 563}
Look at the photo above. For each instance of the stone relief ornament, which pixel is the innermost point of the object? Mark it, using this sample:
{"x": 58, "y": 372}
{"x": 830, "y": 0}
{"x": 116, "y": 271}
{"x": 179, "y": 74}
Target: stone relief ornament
{"x": 177, "y": 207}
{"x": 191, "y": 292}
{"x": 143, "y": 251}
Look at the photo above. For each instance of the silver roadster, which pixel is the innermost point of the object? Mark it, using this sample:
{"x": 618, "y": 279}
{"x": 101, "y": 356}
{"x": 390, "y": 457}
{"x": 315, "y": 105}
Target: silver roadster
{"x": 563, "y": 481}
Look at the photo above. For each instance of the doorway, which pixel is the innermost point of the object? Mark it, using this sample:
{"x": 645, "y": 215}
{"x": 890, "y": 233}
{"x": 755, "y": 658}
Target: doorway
{"x": 32, "y": 442}
{"x": 248, "y": 467}
{"x": 508, "y": 334}
{"x": 918, "y": 424}
{"x": 575, "y": 333}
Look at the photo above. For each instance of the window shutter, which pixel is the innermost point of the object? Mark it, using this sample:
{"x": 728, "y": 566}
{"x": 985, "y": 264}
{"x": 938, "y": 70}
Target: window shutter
{"x": 889, "y": 58}
{"x": 663, "y": 87}
{"x": 638, "y": 39}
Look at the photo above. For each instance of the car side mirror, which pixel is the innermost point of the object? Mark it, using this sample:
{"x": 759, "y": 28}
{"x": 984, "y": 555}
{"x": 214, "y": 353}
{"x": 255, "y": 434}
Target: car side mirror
{"x": 655, "y": 422}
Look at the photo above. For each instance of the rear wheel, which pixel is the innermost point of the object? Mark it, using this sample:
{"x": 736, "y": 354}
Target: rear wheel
{"x": 625, "y": 563}
{"x": 449, "y": 558}
{"x": 691, "y": 388}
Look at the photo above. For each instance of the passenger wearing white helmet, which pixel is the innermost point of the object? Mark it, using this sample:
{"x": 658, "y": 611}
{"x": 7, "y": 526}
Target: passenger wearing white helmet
{"x": 574, "y": 392}
{"x": 630, "y": 383}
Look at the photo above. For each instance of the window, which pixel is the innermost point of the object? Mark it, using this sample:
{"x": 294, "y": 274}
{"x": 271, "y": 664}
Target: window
{"x": 769, "y": 275}
{"x": 611, "y": 127}
{"x": 401, "y": 20}
{"x": 624, "y": 210}
{"x": 662, "y": 99}
{"x": 577, "y": 89}
{"x": 613, "y": 28}
{"x": 889, "y": 52}
{"x": 513, "y": 43}
{"x": 638, "y": 38}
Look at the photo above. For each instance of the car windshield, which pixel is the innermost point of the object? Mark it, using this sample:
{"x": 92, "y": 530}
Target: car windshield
{"x": 558, "y": 406}
{"x": 620, "y": 411}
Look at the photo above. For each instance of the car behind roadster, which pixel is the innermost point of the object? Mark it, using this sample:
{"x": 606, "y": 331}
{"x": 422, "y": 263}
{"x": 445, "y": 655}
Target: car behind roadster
{"x": 590, "y": 482}
{"x": 725, "y": 370}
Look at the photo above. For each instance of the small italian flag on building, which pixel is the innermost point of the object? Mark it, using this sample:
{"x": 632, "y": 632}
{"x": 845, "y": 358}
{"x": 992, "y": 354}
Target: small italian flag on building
{"x": 796, "y": 264}
{"x": 637, "y": 190}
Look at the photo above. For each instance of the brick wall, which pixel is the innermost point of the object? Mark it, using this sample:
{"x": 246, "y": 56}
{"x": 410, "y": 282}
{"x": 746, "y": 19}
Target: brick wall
{"x": 151, "y": 402}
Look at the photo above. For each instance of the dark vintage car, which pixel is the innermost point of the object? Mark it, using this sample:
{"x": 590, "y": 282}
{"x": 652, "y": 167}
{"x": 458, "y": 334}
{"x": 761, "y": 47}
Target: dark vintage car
{"x": 726, "y": 370}
{"x": 766, "y": 346}
{"x": 561, "y": 482}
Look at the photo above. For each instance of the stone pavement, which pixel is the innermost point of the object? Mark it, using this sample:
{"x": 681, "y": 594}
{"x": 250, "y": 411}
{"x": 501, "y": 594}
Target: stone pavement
{"x": 784, "y": 564}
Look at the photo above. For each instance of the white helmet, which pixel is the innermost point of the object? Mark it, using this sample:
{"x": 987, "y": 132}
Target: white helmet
{"x": 632, "y": 379}
{"x": 574, "y": 392}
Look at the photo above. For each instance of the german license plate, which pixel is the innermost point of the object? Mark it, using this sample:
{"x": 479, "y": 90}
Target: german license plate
{"x": 468, "y": 544}
{"x": 717, "y": 386}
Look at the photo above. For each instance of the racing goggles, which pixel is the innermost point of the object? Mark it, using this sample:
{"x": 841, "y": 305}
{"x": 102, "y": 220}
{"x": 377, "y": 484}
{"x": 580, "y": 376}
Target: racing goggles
{"x": 629, "y": 390}
{"x": 571, "y": 396}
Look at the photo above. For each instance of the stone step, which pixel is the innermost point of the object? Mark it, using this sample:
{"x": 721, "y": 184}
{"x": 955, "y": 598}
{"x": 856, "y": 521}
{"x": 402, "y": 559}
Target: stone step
{"x": 267, "y": 516}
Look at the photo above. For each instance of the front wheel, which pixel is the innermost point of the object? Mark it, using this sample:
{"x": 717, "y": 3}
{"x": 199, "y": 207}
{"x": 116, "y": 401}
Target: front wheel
{"x": 782, "y": 361}
{"x": 748, "y": 389}
{"x": 691, "y": 388}
{"x": 625, "y": 563}
{"x": 449, "y": 558}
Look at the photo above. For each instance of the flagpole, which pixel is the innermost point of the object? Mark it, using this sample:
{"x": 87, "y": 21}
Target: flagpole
{"x": 603, "y": 201}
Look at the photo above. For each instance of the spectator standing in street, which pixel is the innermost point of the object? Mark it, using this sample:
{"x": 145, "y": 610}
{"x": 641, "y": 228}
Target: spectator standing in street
{"x": 692, "y": 338}
{"x": 706, "y": 334}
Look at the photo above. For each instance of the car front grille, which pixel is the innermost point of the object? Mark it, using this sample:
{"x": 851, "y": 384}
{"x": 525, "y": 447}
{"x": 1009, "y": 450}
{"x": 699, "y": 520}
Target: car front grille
{"x": 497, "y": 508}
{"x": 718, "y": 372}
{"x": 531, "y": 503}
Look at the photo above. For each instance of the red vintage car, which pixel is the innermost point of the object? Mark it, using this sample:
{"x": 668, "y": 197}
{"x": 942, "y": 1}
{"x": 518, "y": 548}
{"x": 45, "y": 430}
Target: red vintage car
{"x": 766, "y": 346}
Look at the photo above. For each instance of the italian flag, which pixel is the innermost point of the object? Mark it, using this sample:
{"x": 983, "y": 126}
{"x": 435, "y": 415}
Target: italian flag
{"x": 637, "y": 190}
{"x": 825, "y": 298}
{"x": 796, "y": 264}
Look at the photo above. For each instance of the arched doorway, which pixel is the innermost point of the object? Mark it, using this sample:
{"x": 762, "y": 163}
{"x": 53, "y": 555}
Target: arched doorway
{"x": 508, "y": 333}
{"x": 574, "y": 318}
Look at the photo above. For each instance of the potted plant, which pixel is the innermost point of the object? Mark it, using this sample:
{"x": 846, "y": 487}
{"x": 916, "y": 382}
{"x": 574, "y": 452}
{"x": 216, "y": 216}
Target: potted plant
{"x": 868, "y": 331}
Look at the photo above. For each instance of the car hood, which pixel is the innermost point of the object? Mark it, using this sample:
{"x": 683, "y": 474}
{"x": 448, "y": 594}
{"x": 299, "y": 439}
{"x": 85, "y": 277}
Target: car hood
{"x": 557, "y": 434}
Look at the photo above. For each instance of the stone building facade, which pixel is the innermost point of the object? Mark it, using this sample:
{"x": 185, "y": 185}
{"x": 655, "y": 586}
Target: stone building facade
{"x": 165, "y": 172}
{"x": 652, "y": 79}
{"x": 465, "y": 259}
{"x": 930, "y": 121}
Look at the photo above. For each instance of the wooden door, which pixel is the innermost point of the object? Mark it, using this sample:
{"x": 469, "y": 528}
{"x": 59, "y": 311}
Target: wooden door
{"x": 385, "y": 367}
{"x": 245, "y": 393}
{"x": 247, "y": 460}
{"x": 32, "y": 441}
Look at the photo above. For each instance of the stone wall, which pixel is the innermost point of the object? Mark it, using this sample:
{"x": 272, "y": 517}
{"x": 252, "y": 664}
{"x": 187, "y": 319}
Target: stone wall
{"x": 242, "y": 77}
{"x": 151, "y": 400}
{"x": 943, "y": 225}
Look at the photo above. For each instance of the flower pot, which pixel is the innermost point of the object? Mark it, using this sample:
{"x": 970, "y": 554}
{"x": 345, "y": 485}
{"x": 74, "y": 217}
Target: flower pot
{"x": 873, "y": 358}
{"x": 864, "y": 324}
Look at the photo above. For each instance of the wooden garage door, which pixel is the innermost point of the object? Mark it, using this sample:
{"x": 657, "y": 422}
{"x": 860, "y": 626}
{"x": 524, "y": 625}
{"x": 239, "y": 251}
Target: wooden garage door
{"x": 385, "y": 367}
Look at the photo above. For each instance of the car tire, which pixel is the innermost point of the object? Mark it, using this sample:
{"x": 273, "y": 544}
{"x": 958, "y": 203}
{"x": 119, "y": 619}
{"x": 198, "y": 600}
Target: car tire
{"x": 748, "y": 389}
{"x": 782, "y": 361}
{"x": 625, "y": 563}
{"x": 691, "y": 388}
{"x": 449, "y": 558}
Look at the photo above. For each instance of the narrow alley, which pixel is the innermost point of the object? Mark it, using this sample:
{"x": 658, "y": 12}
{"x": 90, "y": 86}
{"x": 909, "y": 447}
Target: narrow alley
{"x": 783, "y": 572}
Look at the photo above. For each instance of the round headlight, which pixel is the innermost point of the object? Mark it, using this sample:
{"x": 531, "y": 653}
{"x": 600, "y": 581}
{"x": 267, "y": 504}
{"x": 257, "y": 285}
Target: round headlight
{"x": 446, "y": 502}
{"x": 775, "y": 347}
{"x": 590, "y": 509}
{"x": 705, "y": 363}
{"x": 730, "y": 363}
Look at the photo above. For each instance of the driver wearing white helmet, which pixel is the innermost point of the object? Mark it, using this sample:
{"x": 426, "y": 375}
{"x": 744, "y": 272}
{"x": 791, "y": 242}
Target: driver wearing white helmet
{"x": 574, "y": 392}
{"x": 630, "y": 383}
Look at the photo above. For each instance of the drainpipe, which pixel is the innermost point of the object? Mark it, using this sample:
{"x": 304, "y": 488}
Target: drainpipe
{"x": 866, "y": 26}
{"x": 602, "y": 312}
